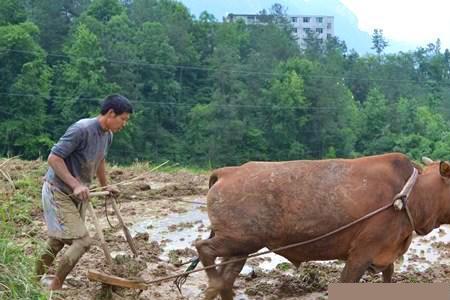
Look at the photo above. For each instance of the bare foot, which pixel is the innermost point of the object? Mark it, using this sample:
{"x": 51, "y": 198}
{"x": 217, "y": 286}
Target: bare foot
{"x": 51, "y": 282}
{"x": 56, "y": 284}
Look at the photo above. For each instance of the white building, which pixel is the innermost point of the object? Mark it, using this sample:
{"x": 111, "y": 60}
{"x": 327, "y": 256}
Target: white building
{"x": 321, "y": 26}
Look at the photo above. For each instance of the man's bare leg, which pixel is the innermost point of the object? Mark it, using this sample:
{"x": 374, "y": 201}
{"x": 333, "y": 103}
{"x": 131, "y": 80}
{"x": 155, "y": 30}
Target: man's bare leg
{"x": 45, "y": 261}
{"x": 77, "y": 248}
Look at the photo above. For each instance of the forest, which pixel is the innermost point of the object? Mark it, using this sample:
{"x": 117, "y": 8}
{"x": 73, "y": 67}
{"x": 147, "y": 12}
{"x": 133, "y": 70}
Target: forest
{"x": 208, "y": 92}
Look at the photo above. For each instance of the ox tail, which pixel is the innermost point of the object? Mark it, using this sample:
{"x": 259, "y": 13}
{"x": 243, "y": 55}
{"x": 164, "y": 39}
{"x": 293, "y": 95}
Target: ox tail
{"x": 221, "y": 173}
{"x": 180, "y": 280}
{"x": 213, "y": 179}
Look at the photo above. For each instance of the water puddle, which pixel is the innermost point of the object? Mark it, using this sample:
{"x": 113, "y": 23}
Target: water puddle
{"x": 422, "y": 254}
{"x": 176, "y": 230}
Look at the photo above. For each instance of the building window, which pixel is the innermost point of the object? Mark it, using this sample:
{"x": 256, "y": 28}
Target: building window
{"x": 319, "y": 19}
{"x": 251, "y": 18}
{"x": 294, "y": 20}
{"x": 306, "y": 29}
{"x": 305, "y": 19}
{"x": 329, "y": 35}
{"x": 294, "y": 30}
{"x": 319, "y": 30}
{"x": 329, "y": 26}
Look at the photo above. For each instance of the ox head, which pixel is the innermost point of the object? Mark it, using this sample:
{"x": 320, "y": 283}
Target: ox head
{"x": 438, "y": 174}
{"x": 444, "y": 167}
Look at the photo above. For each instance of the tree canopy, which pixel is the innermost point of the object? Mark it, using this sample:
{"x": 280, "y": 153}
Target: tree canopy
{"x": 212, "y": 93}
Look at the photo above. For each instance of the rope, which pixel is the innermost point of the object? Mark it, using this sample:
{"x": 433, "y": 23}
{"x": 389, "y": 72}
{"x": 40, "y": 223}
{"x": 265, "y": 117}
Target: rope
{"x": 404, "y": 194}
{"x": 186, "y": 201}
{"x": 106, "y": 214}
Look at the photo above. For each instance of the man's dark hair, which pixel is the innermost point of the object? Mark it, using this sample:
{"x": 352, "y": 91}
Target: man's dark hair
{"x": 118, "y": 103}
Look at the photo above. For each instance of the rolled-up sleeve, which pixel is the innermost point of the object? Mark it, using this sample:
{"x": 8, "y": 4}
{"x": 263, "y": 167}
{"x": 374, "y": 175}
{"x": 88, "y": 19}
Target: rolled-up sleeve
{"x": 69, "y": 142}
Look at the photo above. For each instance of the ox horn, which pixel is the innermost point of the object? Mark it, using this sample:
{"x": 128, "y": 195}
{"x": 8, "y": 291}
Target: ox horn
{"x": 426, "y": 160}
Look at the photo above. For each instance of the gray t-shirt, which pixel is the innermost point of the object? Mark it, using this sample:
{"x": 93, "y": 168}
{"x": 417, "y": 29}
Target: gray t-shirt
{"x": 83, "y": 147}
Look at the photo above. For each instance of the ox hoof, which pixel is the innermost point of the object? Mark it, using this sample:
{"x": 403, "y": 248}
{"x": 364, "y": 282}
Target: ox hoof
{"x": 213, "y": 290}
{"x": 210, "y": 294}
{"x": 226, "y": 294}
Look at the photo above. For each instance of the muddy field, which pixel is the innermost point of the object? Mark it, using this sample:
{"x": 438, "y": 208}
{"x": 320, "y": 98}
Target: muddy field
{"x": 165, "y": 213}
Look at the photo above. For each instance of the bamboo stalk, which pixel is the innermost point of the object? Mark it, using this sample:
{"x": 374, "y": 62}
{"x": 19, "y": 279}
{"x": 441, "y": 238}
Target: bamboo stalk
{"x": 129, "y": 180}
{"x": 8, "y": 178}
{"x": 9, "y": 159}
{"x": 94, "y": 194}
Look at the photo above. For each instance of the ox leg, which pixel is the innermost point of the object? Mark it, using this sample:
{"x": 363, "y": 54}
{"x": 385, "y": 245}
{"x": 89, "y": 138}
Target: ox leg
{"x": 207, "y": 254}
{"x": 354, "y": 270}
{"x": 208, "y": 250}
{"x": 387, "y": 273}
{"x": 229, "y": 273}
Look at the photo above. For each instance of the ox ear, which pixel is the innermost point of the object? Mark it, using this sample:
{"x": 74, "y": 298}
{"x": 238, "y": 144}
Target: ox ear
{"x": 427, "y": 161}
{"x": 444, "y": 169}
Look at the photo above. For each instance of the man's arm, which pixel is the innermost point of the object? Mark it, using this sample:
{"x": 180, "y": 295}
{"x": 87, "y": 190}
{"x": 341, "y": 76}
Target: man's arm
{"x": 59, "y": 167}
{"x": 101, "y": 177}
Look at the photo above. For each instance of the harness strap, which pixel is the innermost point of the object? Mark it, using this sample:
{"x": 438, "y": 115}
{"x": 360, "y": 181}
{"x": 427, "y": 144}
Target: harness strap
{"x": 401, "y": 199}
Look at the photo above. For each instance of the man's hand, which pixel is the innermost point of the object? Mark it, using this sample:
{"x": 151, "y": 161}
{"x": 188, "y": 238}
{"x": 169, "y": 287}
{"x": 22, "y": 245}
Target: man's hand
{"x": 81, "y": 192}
{"x": 113, "y": 190}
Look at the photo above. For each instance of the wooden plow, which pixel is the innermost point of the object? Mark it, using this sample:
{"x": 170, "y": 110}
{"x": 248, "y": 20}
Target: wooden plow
{"x": 108, "y": 280}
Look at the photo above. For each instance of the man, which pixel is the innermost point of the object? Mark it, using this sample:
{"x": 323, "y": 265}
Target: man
{"x": 73, "y": 162}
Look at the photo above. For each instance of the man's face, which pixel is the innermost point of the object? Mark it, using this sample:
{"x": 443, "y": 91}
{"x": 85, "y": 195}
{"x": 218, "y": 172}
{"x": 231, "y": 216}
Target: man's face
{"x": 115, "y": 122}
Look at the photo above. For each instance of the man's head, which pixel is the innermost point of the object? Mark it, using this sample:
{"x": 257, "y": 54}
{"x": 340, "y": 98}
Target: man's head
{"x": 115, "y": 112}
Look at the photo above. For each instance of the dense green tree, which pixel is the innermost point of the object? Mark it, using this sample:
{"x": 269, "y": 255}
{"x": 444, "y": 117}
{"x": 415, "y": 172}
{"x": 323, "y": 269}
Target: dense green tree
{"x": 55, "y": 19}
{"x": 158, "y": 91}
{"x": 81, "y": 81}
{"x": 176, "y": 20}
{"x": 377, "y": 136}
{"x": 213, "y": 93}
{"x": 286, "y": 117}
{"x": 379, "y": 41}
{"x": 104, "y": 10}
{"x": 12, "y": 12}
{"x": 24, "y": 88}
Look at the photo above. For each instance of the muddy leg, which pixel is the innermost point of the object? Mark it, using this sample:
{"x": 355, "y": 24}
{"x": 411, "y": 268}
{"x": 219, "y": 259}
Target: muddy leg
{"x": 387, "y": 273}
{"x": 209, "y": 250}
{"x": 46, "y": 259}
{"x": 229, "y": 273}
{"x": 69, "y": 260}
{"x": 354, "y": 270}
{"x": 207, "y": 253}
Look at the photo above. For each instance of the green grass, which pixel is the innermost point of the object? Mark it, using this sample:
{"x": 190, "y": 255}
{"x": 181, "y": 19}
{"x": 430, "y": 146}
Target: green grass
{"x": 16, "y": 267}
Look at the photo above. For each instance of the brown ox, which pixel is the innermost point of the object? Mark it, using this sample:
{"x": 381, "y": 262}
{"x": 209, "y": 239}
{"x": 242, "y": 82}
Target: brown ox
{"x": 272, "y": 204}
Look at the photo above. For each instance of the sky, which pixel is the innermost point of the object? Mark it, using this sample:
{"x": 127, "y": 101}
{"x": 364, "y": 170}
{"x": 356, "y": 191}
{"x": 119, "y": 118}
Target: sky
{"x": 411, "y": 21}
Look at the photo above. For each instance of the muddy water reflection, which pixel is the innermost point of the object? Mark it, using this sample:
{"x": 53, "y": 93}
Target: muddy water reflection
{"x": 422, "y": 254}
